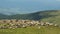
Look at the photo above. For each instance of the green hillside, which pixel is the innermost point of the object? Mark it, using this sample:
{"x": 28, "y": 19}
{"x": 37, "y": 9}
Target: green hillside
{"x": 33, "y": 16}
{"x": 48, "y": 15}
{"x": 53, "y": 19}
{"x": 52, "y": 16}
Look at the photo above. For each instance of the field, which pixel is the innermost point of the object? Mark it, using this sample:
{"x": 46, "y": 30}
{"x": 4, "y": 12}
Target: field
{"x": 32, "y": 30}
{"x": 52, "y": 17}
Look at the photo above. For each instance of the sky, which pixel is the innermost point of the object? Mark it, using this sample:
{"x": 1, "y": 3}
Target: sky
{"x": 27, "y": 6}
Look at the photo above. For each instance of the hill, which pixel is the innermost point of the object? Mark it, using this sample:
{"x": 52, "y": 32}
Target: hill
{"x": 52, "y": 16}
{"x": 32, "y": 16}
{"x": 46, "y": 16}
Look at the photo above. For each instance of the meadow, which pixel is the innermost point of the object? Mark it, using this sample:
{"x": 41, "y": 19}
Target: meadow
{"x": 50, "y": 16}
{"x": 32, "y": 30}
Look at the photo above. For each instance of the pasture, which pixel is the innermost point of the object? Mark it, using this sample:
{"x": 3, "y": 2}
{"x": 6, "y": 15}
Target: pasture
{"x": 32, "y": 30}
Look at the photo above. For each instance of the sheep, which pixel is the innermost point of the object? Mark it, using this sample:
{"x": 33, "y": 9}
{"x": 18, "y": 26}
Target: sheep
{"x": 51, "y": 24}
{"x": 56, "y": 25}
{"x": 18, "y": 25}
{"x": 39, "y": 27}
{"x": 7, "y": 21}
{"x": 38, "y": 23}
{"x": 3, "y": 27}
{"x": 32, "y": 24}
{"x": 47, "y": 23}
{"x": 24, "y": 23}
{"x": 42, "y": 24}
{"x": 11, "y": 24}
{"x": 23, "y": 26}
{"x": 10, "y": 27}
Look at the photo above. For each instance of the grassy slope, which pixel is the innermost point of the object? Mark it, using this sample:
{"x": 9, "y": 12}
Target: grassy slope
{"x": 55, "y": 19}
{"x": 32, "y": 30}
{"x": 35, "y": 30}
{"x": 32, "y": 16}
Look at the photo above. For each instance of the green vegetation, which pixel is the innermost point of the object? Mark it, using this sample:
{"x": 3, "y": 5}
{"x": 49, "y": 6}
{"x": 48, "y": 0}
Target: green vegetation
{"x": 52, "y": 16}
{"x": 32, "y": 30}
{"x": 53, "y": 19}
{"x": 32, "y": 16}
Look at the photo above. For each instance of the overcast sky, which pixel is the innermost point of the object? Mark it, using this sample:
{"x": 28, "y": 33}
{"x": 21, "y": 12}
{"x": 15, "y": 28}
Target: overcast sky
{"x": 27, "y": 6}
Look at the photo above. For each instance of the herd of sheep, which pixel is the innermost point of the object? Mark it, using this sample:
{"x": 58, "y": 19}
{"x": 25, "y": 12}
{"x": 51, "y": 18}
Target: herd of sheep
{"x": 13, "y": 23}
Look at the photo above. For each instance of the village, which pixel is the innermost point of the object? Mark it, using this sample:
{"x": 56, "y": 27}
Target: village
{"x": 13, "y": 23}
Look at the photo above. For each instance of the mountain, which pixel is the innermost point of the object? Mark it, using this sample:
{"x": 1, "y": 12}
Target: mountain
{"x": 46, "y": 16}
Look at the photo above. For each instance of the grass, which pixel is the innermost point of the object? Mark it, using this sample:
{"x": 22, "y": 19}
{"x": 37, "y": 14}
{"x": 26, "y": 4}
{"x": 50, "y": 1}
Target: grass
{"x": 35, "y": 29}
{"x": 53, "y": 19}
{"x": 32, "y": 30}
